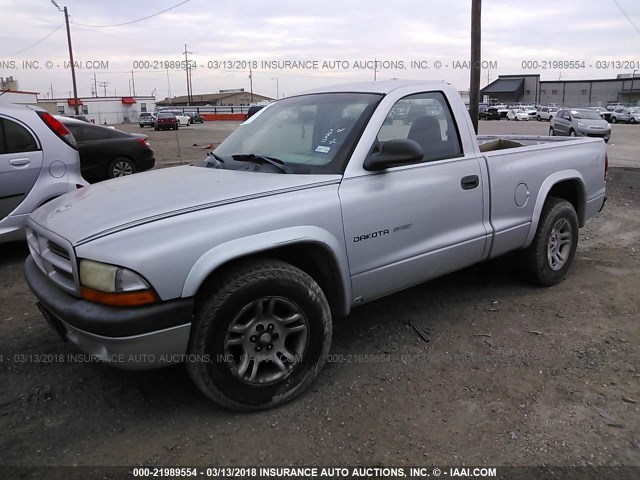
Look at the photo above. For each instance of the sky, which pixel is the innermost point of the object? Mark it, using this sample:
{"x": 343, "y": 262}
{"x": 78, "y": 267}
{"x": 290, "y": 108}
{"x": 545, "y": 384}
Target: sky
{"x": 337, "y": 40}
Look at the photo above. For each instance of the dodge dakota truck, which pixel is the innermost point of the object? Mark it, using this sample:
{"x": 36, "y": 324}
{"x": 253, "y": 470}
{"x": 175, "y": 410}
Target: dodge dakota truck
{"x": 237, "y": 265}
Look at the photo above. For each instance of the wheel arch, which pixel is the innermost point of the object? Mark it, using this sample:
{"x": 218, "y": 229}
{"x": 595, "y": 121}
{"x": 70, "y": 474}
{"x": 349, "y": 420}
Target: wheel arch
{"x": 566, "y": 184}
{"x": 313, "y": 250}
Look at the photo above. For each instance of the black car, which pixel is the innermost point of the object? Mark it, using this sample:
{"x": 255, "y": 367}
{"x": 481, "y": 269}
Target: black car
{"x": 489, "y": 113}
{"x": 253, "y": 110}
{"x": 195, "y": 117}
{"x": 107, "y": 152}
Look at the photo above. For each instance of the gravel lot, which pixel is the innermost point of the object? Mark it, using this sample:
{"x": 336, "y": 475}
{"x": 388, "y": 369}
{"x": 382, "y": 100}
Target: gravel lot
{"x": 511, "y": 374}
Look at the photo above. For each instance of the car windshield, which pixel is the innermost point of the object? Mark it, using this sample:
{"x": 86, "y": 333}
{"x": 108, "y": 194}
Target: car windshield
{"x": 586, "y": 114}
{"x": 309, "y": 133}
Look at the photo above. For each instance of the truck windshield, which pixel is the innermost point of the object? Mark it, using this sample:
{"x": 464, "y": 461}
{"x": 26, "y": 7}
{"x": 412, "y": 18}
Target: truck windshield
{"x": 313, "y": 133}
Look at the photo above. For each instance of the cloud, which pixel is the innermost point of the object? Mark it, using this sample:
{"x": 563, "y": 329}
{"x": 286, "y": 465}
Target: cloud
{"x": 331, "y": 30}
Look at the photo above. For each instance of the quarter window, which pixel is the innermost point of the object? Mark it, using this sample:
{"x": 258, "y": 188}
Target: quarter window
{"x": 425, "y": 118}
{"x": 16, "y": 138}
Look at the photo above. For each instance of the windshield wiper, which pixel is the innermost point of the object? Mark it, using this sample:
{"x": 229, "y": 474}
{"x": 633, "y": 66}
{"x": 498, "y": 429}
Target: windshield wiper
{"x": 214, "y": 160}
{"x": 252, "y": 157}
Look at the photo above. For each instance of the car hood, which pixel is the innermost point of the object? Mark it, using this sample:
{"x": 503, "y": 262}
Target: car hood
{"x": 113, "y": 205}
{"x": 593, "y": 122}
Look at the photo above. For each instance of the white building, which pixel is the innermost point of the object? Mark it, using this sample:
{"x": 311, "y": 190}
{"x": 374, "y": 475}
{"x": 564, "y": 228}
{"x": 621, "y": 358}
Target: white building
{"x": 17, "y": 96}
{"x": 101, "y": 110}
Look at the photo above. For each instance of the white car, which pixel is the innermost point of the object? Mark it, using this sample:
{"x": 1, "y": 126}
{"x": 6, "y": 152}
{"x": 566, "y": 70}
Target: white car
{"x": 518, "y": 114}
{"x": 634, "y": 115}
{"x": 546, "y": 113}
{"x": 39, "y": 161}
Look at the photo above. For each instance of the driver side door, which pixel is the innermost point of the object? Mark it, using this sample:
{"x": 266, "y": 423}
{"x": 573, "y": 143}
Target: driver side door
{"x": 407, "y": 224}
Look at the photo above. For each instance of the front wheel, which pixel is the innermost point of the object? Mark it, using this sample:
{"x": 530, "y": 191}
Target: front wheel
{"x": 572, "y": 133}
{"x": 260, "y": 335}
{"x": 539, "y": 118}
{"x": 548, "y": 259}
{"x": 552, "y": 133}
{"x": 614, "y": 120}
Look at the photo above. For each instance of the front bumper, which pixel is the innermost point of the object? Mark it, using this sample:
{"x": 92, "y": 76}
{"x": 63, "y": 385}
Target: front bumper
{"x": 129, "y": 338}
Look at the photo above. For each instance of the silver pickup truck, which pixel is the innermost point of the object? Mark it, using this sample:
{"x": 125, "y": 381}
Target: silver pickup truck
{"x": 237, "y": 265}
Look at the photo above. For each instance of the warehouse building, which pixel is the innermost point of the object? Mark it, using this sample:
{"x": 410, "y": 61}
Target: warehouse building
{"x": 101, "y": 110}
{"x": 529, "y": 89}
{"x": 234, "y": 98}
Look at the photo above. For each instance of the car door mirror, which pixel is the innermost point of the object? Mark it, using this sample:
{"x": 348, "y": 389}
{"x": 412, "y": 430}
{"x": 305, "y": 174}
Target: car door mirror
{"x": 394, "y": 153}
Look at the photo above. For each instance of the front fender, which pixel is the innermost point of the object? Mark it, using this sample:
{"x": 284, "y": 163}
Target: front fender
{"x": 250, "y": 245}
{"x": 543, "y": 193}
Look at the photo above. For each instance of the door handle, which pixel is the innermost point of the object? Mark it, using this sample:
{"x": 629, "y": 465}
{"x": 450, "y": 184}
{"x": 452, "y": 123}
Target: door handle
{"x": 469, "y": 182}
{"x": 19, "y": 162}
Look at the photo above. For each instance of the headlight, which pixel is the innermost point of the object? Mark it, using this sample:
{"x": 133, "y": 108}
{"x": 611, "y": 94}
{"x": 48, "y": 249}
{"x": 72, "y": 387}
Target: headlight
{"x": 581, "y": 125}
{"x": 112, "y": 285}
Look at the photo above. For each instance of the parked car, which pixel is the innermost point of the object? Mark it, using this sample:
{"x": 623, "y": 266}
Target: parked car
{"x": 109, "y": 153}
{"x": 38, "y": 161}
{"x": 503, "y": 110}
{"x": 194, "y": 117}
{"x": 146, "y": 119}
{"x": 580, "y": 122}
{"x": 491, "y": 113}
{"x": 183, "y": 119}
{"x": 518, "y": 115}
{"x": 620, "y": 115}
{"x": 531, "y": 111}
{"x": 634, "y": 115}
{"x": 546, "y": 113}
{"x": 249, "y": 307}
{"x": 166, "y": 121}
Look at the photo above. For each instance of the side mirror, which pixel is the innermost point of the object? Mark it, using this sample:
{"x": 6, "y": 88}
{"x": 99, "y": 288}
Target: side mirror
{"x": 394, "y": 153}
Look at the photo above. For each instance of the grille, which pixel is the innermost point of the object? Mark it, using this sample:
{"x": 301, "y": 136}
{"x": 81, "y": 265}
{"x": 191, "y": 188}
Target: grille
{"x": 55, "y": 259}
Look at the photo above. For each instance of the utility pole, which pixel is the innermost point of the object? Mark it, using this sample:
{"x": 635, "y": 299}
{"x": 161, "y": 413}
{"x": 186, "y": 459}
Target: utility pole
{"x": 277, "y": 87}
{"x": 95, "y": 86}
{"x": 73, "y": 69}
{"x": 133, "y": 84}
{"x": 51, "y": 87}
{"x": 104, "y": 85}
{"x": 186, "y": 67}
{"x": 251, "y": 82}
{"x": 375, "y": 69}
{"x": 474, "y": 86}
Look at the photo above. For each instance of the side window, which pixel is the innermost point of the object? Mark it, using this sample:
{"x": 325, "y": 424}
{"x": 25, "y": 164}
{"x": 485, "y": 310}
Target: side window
{"x": 426, "y": 119}
{"x": 17, "y": 138}
{"x": 61, "y": 109}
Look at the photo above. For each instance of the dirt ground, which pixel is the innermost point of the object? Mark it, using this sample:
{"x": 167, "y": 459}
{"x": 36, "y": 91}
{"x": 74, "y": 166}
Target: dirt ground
{"x": 510, "y": 375}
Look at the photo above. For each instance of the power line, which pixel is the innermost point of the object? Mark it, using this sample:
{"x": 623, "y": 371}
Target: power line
{"x": 36, "y": 43}
{"x": 132, "y": 21}
{"x": 627, "y": 16}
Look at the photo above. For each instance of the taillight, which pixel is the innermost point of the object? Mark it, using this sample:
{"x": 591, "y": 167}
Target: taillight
{"x": 144, "y": 142}
{"x": 58, "y": 128}
{"x": 606, "y": 166}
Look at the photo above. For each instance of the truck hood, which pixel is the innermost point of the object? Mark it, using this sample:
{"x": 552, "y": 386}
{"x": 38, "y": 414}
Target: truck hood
{"x": 114, "y": 205}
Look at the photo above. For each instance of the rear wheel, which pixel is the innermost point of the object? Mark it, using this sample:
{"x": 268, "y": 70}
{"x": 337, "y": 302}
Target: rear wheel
{"x": 539, "y": 118}
{"x": 548, "y": 259}
{"x": 260, "y": 336}
{"x": 614, "y": 120}
{"x": 121, "y": 167}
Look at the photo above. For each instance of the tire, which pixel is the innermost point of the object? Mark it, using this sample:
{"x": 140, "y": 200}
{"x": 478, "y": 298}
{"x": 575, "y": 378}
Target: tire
{"x": 141, "y": 126}
{"x": 558, "y": 223}
{"x": 121, "y": 167}
{"x": 539, "y": 118}
{"x": 606, "y": 140}
{"x": 156, "y": 128}
{"x": 614, "y": 120}
{"x": 225, "y": 327}
{"x": 552, "y": 132}
{"x": 572, "y": 133}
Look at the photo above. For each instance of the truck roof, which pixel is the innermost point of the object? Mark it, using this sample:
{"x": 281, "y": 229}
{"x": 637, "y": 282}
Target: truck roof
{"x": 384, "y": 86}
